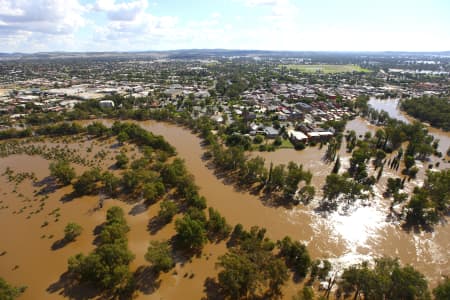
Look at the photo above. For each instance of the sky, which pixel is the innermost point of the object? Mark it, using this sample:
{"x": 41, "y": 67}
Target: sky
{"x": 298, "y": 25}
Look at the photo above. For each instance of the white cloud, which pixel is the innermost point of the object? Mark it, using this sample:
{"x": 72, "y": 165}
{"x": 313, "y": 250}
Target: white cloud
{"x": 123, "y": 11}
{"x": 261, "y": 2}
{"x": 45, "y": 16}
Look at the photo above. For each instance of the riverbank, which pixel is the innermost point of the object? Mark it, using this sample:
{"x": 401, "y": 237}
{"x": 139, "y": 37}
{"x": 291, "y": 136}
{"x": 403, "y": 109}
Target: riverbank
{"x": 359, "y": 234}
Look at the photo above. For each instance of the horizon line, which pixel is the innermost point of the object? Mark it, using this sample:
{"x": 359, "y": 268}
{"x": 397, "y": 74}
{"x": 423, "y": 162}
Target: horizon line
{"x": 227, "y": 49}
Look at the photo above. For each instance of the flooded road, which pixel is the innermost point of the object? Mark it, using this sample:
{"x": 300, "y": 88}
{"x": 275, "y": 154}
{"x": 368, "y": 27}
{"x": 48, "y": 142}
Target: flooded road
{"x": 362, "y": 233}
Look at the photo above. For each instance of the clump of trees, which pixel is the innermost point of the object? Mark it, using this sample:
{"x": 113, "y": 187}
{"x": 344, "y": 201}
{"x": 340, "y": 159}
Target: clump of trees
{"x": 341, "y": 188}
{"x": 122, "y": 160}
{"x": 107, "y": 267}
{"x": 136, "y": 134}
{"x": 434, "y": 110}
{"x": 72, "y": 231}
{"x": 191, "y": 233}
{"x": 250, "y": 269}
{"x": 431, "y": 201}
{"x": 62, "y": 171}
{"x": 386, "y": 280}
{"x": 217, "y": 226}
{"x": 442, "y": 291}
{"x": 86, "y": 184}
{"x": 9, "y": 292}
{"x": 296, "y": 256}
{"x": 159, "y": 256}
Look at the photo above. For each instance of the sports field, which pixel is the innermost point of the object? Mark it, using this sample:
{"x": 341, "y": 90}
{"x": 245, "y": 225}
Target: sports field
{"x": 327, "y": 69}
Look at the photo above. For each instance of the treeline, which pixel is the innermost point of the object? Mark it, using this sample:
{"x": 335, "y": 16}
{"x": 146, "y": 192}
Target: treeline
{"x": 15, "y": 133}
{"x": 124, "y": 132}
{"x": 386, "y": 278}
{"x": 434, "y": 110}
{"x": 107, "y": 267}
{"x": 281, "y": 179}
{"x": 431, "y": 201}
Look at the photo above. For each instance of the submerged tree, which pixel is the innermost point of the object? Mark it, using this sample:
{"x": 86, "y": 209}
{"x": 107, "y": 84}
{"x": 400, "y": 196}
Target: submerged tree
{"x": 9, "y": 292}
{"x": 72, "y": 231}
{"x": 62, "y": 171}
{"x": 158, "y": 254}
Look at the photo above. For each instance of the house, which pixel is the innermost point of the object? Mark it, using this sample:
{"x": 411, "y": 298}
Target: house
{"x": 270, "y": 132}
{"x": 303, "y": 106}
{"x": 106, "y": 104}
{"x": 319, "y": 136}
{"x": 297, "y": 137}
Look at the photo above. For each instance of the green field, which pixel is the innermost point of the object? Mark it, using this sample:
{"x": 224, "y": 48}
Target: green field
{"x": 327, "y": 69}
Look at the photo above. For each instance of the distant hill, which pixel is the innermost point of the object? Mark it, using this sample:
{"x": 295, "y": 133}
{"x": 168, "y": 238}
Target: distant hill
{"x": 204, "y": 53}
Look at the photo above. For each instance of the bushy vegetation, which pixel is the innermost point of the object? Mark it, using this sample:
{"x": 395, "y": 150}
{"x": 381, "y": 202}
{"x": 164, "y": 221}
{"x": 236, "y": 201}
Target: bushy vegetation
{"x": 431, "y": 201}
{"x": 72, "y": 231}
{"x": 108, "y": 265}
{"x": 62, "y": 171}
{"x": 433, "y": 110}
{"x": 9, "y": 292}
{"x": 386, "y": 280}
{"x": 159, "y": 256}
{"x": 250, "y": 269}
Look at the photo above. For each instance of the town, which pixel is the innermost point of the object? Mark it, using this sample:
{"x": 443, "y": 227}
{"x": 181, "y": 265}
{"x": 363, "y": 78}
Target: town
{"x": 295, "y": 99}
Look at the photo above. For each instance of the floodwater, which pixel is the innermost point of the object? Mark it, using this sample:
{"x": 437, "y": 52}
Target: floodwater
{"x": 343, "y": 237}
{"x": 391, "y": 106}
{"x": 361, "y": 233}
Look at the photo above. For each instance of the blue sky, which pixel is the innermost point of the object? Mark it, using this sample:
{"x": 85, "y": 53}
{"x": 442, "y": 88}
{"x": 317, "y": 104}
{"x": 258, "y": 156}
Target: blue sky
{"x": 136, "y": 25}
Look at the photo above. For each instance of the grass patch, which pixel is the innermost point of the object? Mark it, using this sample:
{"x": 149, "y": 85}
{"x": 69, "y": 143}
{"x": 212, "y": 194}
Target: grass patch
{"x": 326, "y": 69}
{"x": 286, "y": 144}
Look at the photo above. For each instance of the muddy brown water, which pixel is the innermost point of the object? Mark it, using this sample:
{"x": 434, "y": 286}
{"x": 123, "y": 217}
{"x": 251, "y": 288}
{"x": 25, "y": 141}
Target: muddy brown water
{"x": 391, "y": 106}
{"x": 345, "y": 239}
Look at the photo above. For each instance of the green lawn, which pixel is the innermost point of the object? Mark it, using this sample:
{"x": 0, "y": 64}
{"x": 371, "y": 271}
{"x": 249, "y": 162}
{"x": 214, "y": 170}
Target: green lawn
{"x": 327, "y": 69}
{"x": 286, "y": 144}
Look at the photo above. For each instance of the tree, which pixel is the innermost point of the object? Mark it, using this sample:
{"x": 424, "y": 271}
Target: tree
{"x": 442, "y": 291}
{"x": 296, "y": 255}
{"x": 294, "y": 175}
{"x": 335, "y": 184}
{"x": 158, "y": 254}
{"x": 217, "y": 226}
{"x": 63, "y": 172}
{"x": 122, "y": 160}
{"x": 110, "y": 182}
{"x": 307, "y": 293}
{"x": 9, "y": 292}
{"x": 253, "y": 171}
{"x": 320, "y": 269}
{"x": 393, "y": 185}
{"x": 239, "y": 277}
{"x": 72, "y": 231}
{"x": 407, "y": 283}
{"x": 276, "y": 178}
{"x": 122, "y": 137}
{"x": 337, "y": 166}
{"x": 191, "y": 234}
{"x": 307, "y": 194}
{"x": 108, "y": 265}
{"x": 86, "y": 184}
{"x": 251, "y": 267}
{"x": 167, "y": 210}
{"x": 258, "y": 139}
{"x": 386, "y": 280}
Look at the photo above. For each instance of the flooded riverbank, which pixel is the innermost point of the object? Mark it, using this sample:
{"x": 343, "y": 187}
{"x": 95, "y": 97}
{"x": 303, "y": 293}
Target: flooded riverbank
{"x": 329, "y": 237}
{"x": 361, "y": 233}
{"x": 391, "y": 106}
